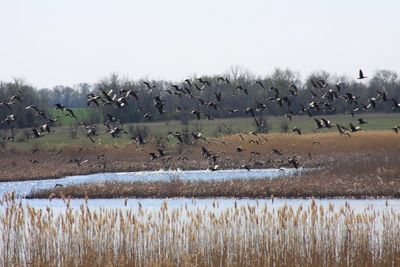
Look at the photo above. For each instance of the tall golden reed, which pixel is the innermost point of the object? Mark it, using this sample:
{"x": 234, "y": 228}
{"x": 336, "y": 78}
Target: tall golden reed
{"x": 240, "y": 235}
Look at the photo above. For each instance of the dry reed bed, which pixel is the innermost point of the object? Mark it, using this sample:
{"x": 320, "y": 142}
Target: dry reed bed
{"x": 241, "y": 235}
{"x": 363, "y": 177}
{"x": 333, "y": 149}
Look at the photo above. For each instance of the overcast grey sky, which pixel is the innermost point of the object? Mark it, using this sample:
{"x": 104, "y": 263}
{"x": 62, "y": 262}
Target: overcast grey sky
{"x": 71, "y": 41}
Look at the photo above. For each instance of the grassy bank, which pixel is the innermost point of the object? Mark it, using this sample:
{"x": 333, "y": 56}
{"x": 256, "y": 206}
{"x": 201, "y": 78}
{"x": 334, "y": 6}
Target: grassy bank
{"x": 61, "y": 137}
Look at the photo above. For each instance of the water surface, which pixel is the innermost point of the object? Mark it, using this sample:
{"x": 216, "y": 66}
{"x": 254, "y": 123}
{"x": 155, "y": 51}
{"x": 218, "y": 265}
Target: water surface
{"x": 358, "y": 205}
{"x": 22, "y": 188}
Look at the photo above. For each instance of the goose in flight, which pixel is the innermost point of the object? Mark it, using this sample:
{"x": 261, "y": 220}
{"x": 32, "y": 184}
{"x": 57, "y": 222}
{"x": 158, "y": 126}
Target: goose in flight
{"x": 293, "y": 161}
{"x": 16, "y": 97}
{"x": 343, "y": 130}
{"x": 295, "y": 129}
{"x": 188, "y": 82}
{"x": 78, "y": 162}
{"x": 258, "y": 83}
{"x": 36, "y": 133}
{"x": 7, "y": 105}
{"x": 396, "y": 104}
{"x": 361, "y": 75}
{"x": 9, "y": 119}
{"x": 319, "y": 124}
{"x": 245, "y": 166}
{"x": 59, "y": 106}
{"x": 276, "y": 151}
{"x": 395, "y": 128}
{"x": 93, "y": 99}
{"x": 70, "y": 113}
{"x": 153, "y": 156}
{"x": 362, "y": 121}
{"x": 213, "y": 168}
{"x": 44, "y": 128}
{"x": 223, "y": 79}
{"x": 149, "y": 86}
{"x": 239, "y": 149}
{"x": 354, "y": 128}
{"x": 293, "y": 89}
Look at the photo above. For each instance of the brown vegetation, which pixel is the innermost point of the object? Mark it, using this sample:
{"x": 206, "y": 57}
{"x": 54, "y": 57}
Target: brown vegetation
{"x": 380, "y": 182}
{"x": 241, "y": 235}
{"x": 368, "y": 166}
{"x": 327, "y": 150}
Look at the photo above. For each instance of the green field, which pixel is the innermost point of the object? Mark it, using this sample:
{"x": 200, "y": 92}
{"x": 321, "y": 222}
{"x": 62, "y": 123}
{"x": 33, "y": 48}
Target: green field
{"x": 209, "y": 128}
{"x": 83, "y": 114}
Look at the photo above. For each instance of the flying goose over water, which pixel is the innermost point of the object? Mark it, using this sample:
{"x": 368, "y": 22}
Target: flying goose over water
{"x": 294, "y": 162}
{"x": 205, "y": 153}
{"x": 245, "y": 166}
{"x": 213, "y": 167}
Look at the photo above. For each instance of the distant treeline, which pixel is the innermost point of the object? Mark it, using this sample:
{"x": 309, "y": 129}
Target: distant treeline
{"x": 238, "y": 89}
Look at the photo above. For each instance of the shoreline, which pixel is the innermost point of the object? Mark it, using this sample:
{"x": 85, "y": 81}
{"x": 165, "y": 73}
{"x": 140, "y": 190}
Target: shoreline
{"x": 314, "y": 184}
{"x": 365, "y": 165}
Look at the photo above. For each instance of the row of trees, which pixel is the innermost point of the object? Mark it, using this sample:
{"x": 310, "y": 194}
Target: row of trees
{"x": 76, "y": 97}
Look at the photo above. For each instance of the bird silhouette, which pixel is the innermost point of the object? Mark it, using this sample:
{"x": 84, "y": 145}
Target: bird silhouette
{"x": 354, "y": 128}
{"x": 295, "y": 129}
{"x": 361, "y": 75}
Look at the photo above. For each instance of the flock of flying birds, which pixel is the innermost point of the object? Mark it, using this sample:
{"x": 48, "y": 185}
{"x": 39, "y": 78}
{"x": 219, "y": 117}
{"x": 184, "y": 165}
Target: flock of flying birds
{"x": 323, "y": 98}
